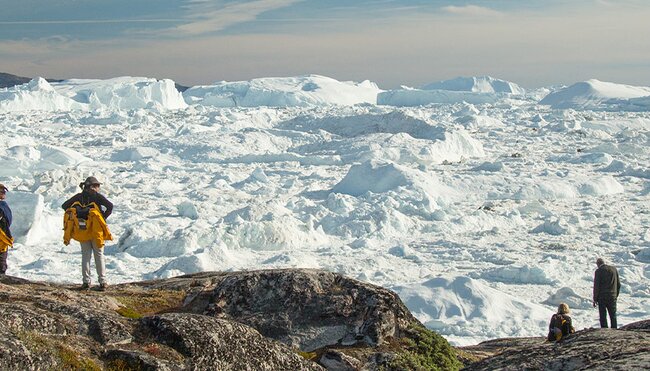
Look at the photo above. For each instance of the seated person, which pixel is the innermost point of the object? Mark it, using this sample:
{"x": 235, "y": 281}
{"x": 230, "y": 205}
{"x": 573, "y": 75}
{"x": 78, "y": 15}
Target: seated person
{"x": 560, "y": 325}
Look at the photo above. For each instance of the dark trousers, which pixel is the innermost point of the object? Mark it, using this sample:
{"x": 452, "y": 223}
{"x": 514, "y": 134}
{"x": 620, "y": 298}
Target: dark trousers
{"x": 3, "y": 262}
{"x": 607, "y": 305}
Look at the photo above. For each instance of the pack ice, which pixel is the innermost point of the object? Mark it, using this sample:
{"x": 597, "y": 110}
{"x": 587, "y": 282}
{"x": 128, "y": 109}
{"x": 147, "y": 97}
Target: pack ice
{"x": 483, "y": 205}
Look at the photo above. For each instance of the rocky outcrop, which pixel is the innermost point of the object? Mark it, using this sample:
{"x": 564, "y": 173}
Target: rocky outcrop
{"x": 307, "y": 309}
{"x": 294, "y": 319}
{"x": 591, "y": 349}
{"x": 260, "y": 320}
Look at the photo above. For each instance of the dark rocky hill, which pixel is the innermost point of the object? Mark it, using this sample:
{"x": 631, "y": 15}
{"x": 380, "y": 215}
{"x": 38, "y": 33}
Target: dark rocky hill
{"x": 293, "y": 319}
{"x": 9, "y": 80}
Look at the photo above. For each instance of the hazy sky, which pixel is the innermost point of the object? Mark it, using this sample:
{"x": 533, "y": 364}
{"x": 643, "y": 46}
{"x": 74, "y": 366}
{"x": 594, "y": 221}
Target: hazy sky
{"x": 391, "y": 42}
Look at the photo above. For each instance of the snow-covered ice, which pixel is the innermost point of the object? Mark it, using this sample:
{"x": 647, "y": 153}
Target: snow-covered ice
{"x": 482, "y": 84}
{"x": 481, "y": 206}
{"x": 283, "y": 92}
{"x": 600, "y": 95}
{"x": 473, "y": 90}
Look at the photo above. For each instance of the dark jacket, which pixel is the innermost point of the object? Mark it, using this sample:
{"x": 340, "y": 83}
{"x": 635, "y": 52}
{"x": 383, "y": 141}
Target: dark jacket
{"x": 86, "y": 197}
{"x": 561, "y": 321}
{"x": 5, "y": 218}
{"x": 606, "y": 283}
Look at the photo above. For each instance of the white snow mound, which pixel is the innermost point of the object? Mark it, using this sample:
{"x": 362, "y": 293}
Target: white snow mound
{"x": 37, "y": 95}
{"x": 300, "y": 91}
{"x": 123, "y": 93}
{"x": 457, "y": 305}
{"x": 378, "y": 177}
{"x": 409, "y": 97}
{"x": 26, "y": 160}
{"x": 480, "y": 84}
{"x": 30, "y": 224}
{"x": 598, "y": 95}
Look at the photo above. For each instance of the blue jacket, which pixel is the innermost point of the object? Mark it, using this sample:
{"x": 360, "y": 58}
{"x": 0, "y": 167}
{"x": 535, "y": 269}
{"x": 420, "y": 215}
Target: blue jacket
{"x": 6, "y": 211}
{"x": 5, "y": 217}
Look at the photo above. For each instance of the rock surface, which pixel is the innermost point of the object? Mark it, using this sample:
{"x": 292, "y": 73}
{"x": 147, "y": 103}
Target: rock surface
{"x": 293, "y": 319}
{"x": 308, "y": 309}
{"x": 259, "y": 320}
{"x": 591, "y": 349}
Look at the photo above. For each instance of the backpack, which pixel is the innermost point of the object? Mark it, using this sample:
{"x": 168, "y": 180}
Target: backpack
{"x": 85, "y": 223}
{"x": 82, "y": 212}
{"x": 556, "y": 327}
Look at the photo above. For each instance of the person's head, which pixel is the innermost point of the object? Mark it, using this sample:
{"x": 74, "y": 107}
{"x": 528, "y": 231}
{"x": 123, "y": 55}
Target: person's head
{"x": 563, "y": 308}
{"x": 91, "y": 183}
{"x": 3, "y": 191}
{"x": 600, "y": 262}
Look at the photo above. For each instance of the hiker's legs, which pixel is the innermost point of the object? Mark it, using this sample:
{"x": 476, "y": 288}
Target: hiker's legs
{"x": 3, "y": 262}
{"x": 100, "y": 265}
{"x": 611, "y": 309}
{"x": 602, "y": 312}
{"x": 86, "y": 252}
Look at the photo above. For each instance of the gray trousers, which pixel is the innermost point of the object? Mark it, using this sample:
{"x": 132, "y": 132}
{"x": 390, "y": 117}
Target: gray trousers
{"x": 89, "y": 248}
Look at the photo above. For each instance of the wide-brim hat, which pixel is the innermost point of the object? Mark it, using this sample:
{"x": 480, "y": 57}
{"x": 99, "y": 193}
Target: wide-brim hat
{"x": 91, "y": 180}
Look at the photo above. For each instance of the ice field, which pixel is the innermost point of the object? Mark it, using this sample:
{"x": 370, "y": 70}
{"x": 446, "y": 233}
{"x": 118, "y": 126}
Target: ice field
{"x": 481, "y": 204}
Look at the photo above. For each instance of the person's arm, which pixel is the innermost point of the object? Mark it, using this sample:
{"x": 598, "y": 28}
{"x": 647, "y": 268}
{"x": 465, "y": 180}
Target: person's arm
{"x": 596, "y": 286}
{"x": 103, "y": 201}
{"x": 618, "y": 285}
{"x": 66, "y": 205}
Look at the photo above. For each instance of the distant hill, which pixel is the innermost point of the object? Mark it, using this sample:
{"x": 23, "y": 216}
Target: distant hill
{"x": 8, "y": 80}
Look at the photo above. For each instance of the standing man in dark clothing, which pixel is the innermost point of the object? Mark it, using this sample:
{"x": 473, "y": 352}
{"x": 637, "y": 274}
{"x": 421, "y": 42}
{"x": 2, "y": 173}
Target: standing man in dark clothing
{"x": 90, "y": 193}
{"x": 6, "y": 240}
{"x": 606, "y": 289}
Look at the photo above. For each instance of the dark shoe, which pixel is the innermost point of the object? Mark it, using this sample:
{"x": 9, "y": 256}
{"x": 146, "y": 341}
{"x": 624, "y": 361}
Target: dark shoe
{"x": 103, "y": 286}
{"x": 85, "y": 286}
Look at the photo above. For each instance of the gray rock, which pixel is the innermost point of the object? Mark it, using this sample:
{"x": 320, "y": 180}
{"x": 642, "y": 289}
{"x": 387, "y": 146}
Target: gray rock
{"x": 138, "y": 360}
{"x": 334, "y": 360}
{"x": 22, "y": 318}
{"x": 14, "y": 355}
{"x": 641, "y": 325}
{"x": 215, "y": 344}
{"x": 306, "y": 308}
{"x": 592, "y": 349}
{"x": 105, "y": 326}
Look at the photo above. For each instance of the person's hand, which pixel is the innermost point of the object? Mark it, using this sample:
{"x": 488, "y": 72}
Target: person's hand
{"x": 594, "y": 304}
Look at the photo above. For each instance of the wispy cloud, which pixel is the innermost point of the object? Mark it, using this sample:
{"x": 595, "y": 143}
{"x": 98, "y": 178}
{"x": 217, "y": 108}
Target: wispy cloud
{"x": 88, "y": 21}
{"x": 208, "y": 16}
{"x": 471, "y": 11}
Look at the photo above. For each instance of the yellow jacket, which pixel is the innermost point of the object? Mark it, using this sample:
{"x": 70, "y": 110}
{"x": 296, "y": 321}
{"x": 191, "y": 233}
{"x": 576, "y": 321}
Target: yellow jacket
{"x": 96, "y": 228}
{"x": 5, "y": 241}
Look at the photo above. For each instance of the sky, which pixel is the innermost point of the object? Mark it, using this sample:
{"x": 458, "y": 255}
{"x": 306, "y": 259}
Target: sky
{"x": 533, "y": 43}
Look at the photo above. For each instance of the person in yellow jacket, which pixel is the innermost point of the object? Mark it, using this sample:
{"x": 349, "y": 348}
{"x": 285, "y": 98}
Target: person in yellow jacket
{"x": 96, "y": 223}
{"x": 6, "y": 240}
